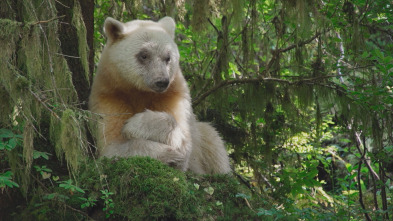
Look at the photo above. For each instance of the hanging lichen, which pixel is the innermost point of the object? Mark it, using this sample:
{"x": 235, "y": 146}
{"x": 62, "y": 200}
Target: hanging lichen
{"x": 69, "y": 140}
{"x": 201, "y": 13}
{"x": 28, "y": 148}
{"x": 35, "y": 81}
{"x": 77, "y": 21}
{"x": 304, "y": 95}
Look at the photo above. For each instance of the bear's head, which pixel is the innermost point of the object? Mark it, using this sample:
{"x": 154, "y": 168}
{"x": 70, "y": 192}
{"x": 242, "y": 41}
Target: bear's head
{"x": 143, "y": 53}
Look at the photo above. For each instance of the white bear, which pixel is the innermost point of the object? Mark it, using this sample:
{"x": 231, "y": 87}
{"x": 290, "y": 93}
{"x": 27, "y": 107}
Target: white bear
{"x": 144, "y": 101}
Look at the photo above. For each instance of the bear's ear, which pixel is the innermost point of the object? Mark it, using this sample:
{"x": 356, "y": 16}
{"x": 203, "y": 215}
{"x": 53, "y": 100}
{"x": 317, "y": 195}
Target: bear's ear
{"x": 113, "y": 28}
{"x": 169, "y": 25}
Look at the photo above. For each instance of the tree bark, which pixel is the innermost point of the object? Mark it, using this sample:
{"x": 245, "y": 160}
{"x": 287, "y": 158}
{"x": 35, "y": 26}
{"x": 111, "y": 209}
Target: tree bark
{"x": 68, "y": 35}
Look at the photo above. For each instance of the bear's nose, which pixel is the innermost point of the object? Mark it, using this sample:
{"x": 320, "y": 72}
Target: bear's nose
{"x": 163, "y": 84}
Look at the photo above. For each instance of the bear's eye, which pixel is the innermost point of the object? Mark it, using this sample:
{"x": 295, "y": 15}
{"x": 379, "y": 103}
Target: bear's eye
{"x": 142, "y": 56}
{"x": 167, "y": 59}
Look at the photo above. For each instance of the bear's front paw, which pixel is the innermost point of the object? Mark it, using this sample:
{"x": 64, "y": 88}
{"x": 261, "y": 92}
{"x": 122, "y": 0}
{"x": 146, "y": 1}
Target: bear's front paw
{"x": 150, "y": 125}
{"x": 175, "y": 159}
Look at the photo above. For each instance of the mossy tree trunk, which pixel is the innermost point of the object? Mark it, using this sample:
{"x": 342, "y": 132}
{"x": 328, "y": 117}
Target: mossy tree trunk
{"x": 46, "y": 57}
{"x": 76, "y": 52}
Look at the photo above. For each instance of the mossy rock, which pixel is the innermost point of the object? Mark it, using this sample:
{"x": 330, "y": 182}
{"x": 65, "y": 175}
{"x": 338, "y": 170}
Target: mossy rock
{"x": 140, "y": 188}
{"x": 143, "y": 188}
{"x": 146, "y": 189}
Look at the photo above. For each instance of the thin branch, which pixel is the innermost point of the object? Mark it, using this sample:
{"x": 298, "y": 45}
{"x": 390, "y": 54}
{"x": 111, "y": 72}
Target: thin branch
{"x": 62, "y": 4}
{"x": 46, "y": 21}
{"x": 367, "y": 8}
{"x": 211, "y": 23}
{"x": 276, "y": 55}
{"x": 361, "y": 193}
{"x": 300, "y": 43}
{"x": 255, "y": 80}
{"x": 231, "y": 82}
{"x": 372, "y": 171}
{"x": 358, "y": 144}
{"x": 69, "y": 56}
{"x": 375, "y": 27}
{"x": 383, "y": 191}
{"x": 43, "y": 103}
{"x": 374, "y": 175}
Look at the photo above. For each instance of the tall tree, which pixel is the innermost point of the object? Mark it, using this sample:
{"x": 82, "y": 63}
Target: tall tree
{"x": 47, "y": 64}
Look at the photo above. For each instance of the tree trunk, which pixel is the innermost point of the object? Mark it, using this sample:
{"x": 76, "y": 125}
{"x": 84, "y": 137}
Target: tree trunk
{"x": 46, "y": 57}
{"x": 71, "y": 30}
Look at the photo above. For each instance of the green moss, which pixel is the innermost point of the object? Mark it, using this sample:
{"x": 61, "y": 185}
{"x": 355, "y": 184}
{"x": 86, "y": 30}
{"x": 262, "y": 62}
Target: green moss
{"x": 9, "y": 28}
{"x": 143, "y": 188}
{"x": 28, "y": 149}
{"x": 69, "y": 140}
{"x": 146, "y": 189}
{"x": 5, "y": 108}
{"x": 77, "y": 21}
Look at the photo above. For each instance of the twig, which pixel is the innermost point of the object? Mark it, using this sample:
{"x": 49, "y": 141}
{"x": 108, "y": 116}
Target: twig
{"x": 360, "y": 191}
{"x": 43, "y": 103}
{"x": 46, "y": 21}
{"x": 248, "y": 204}
{"x": 276, "y": 55}
{"x": 374, "y": 175}
{"x": 300, "y": 43}
{"x": 62, "y": 4}
{"x": 359, "y": 180}
{"x": 254, "y": 80}
{"x": 367, "y": 7}
{"x": 69, "y": 56}
{"x": 211, "y": 23}
{"x": 366, "y": 162}
{"x": 386, "y": 31}
{"x": 383, "y": 190}
{"x": 244, "y": 181}
{"x": 79, "y": 211}
{"x": 231, "y": 82}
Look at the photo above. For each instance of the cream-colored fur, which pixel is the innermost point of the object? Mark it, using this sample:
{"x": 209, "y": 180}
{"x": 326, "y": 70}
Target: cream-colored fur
{"x": 145, "y": 103}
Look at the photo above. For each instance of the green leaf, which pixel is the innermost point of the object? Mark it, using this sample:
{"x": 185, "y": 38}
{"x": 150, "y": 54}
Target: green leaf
{"x": 38, "y": 154}
{"x": 233, "y": 69}
{"x": 5, "y": 133}
{"x": 46, "y": 175}
{"x": 51, "y": 196}
{"x": 12, "y": 142}
{"x": 6, "y": 180}
{"x": 242, "y": 195}
{"x": 264, "y": 212}
{"x": 209, "y": 190}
